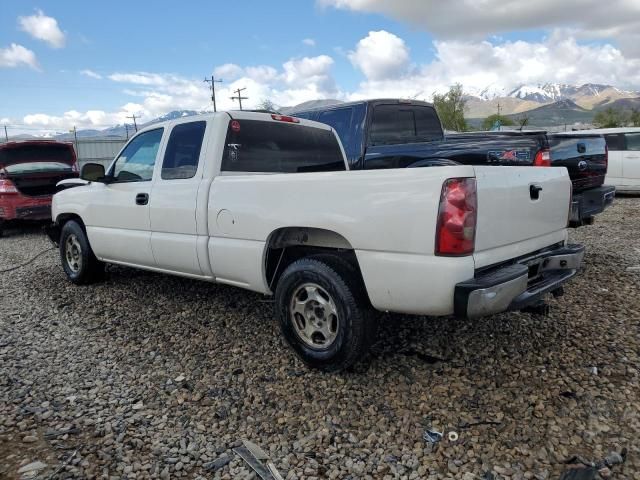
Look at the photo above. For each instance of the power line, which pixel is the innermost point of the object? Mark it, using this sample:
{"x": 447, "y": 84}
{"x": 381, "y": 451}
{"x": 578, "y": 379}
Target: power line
{"x": 239, "y": 97}
{"x": 213, "y": 82}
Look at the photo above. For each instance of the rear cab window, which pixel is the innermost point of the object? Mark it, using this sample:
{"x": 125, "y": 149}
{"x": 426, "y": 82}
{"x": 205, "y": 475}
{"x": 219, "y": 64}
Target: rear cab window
{"x": 397, "y": 124}
{"x": 280, "y": 147}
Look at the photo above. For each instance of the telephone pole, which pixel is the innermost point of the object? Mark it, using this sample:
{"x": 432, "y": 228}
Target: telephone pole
{"x": 6, "y": 135}
{"x": 135, "y": 125}
{"x": 498, "y": 108}
{"x": 126, "y": 127}
{"x": 240, "y": 97}
{"x": 213, "y": 82}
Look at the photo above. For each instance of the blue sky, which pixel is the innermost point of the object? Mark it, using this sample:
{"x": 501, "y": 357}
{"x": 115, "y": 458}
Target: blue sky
{"x": 151, "y": 57}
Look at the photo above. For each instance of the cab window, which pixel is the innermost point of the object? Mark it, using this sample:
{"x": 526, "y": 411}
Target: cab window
{"x": 136, "y": 162}
{"x": 183, "y": 151}
{"x": 632, "y": 141}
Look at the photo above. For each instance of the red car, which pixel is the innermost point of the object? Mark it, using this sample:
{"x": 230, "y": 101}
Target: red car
{"x": 29, "y": 172}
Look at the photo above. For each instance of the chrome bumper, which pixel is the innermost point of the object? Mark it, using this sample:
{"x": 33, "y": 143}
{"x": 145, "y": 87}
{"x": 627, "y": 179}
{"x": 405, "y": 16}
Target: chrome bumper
{"x": 518, "y": 285}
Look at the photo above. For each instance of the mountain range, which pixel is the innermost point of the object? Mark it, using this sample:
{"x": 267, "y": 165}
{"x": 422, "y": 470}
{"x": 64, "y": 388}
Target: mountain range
{"x": 589, "y": 97}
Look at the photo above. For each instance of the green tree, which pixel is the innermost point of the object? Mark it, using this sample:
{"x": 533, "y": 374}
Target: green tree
{"x": 634, "y": 117}
{"x": 610, "y": 118}
{"x": 267, "y": 104}
{"x": 450, "y": 108}
{"x": 489, "y": 122}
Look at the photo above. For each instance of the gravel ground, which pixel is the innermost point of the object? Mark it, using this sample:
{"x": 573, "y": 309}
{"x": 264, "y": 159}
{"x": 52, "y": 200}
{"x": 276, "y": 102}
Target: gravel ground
{"x": 150, "y": 376}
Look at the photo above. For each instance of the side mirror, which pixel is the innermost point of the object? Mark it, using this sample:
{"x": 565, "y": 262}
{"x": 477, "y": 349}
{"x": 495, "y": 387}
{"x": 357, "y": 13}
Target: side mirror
{"x": 92, "y": 172}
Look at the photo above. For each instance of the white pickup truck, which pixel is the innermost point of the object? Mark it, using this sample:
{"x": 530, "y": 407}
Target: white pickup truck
{"x": 265, "y": 202}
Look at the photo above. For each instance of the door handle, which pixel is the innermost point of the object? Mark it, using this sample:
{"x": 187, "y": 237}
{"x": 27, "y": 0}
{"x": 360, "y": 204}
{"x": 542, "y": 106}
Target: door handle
{"x": 142, "y": 199}
{"x": 534, "y": 191}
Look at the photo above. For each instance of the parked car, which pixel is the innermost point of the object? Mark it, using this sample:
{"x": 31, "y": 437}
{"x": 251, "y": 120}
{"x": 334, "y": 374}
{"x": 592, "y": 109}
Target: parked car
{"x": 265, "y": 202}
{"x": 624, "y": 156}
{"x": 29, "y": 172}
{"x": 392, "y": 133}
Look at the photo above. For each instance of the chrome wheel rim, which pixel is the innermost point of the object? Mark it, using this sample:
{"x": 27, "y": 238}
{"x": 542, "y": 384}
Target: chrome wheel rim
{"x": 73, "y": 253}
{"x": 314, "y": 316}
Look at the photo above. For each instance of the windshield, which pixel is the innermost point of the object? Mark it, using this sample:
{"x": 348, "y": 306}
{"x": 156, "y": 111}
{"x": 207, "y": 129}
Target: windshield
{"x": 35, "y": 167}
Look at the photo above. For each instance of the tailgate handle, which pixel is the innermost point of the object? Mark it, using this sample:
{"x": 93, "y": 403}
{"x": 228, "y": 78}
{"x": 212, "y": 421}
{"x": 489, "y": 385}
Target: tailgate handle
{"x": 582, "y": 148}
{"x": 534, "y": 191}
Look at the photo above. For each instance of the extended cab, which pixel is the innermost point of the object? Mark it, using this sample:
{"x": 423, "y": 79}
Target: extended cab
{"x": 392, "y": 133}
{"x": 266, "y": 202}
{"x": 29, "y": 172}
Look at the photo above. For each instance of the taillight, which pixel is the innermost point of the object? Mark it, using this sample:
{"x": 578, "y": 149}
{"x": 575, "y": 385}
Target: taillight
{"x": 457, "y": 217}
{"x": 7, "y": 186}
{"x": 285, "y": 118}
{"x": 606, "y": 157}
{"x": 543, "y": 158}
{"x": 74, "y": 167}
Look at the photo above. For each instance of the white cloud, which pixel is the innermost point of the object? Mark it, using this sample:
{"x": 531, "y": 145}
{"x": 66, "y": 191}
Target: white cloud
{"x": 43, "y": 28}
{"x": 310, "y": 42}
{"x": 228, "y": 71}
{"x": 15, "y": 55}
{"x": 91, "y": 74}
{"x": 507, "y": 65}
{"x": 381, "y": 55}
{"x": 459, "y": 19}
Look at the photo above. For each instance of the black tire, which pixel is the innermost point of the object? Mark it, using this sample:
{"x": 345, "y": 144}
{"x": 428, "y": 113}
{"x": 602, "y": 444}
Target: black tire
{"x": 78, "y": 261}
{"x": 355, "y": 325}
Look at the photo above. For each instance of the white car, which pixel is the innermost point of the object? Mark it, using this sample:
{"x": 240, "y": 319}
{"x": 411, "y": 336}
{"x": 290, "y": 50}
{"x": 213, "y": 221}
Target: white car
{"x": 623, "y": 171}
{"x": 266, "y": 202}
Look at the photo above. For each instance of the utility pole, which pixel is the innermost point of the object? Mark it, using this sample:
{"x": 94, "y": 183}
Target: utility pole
{"x": 6, "y": 135}
{"x": 75, "y": 137}
{"x": 213, "y": 82}
{"x": 240, "y": 97}
{"x": 135, "y": 125}
{"x": 126, "y": 127}
{"x": 498, "y": 108}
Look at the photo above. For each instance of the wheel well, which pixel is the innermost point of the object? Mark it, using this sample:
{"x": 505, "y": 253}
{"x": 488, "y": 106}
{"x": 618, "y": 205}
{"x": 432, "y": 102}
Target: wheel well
{"x": 54, "y": 231}
{"x": 286, "y": 245}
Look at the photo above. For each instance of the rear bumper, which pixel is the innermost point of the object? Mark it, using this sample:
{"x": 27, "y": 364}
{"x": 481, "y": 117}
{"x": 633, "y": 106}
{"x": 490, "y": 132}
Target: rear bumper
{"x": 21, "y": 207}
{"x": 589, "y": 203}
{"x": 516, "y": 286}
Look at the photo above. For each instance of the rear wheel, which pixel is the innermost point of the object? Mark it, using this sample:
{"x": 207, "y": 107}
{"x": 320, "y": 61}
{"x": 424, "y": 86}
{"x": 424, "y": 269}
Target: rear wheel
{"x": 323, "y": 313}
{"x": 78, "y": 261}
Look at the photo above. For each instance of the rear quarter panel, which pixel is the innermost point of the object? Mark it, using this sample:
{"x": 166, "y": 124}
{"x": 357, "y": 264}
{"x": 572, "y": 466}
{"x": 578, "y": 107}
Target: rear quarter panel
{"x": 388, "y": 218}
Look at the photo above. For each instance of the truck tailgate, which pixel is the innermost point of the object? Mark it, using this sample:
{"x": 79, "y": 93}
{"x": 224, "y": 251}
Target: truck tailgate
{"x": 584, "y": 156}
{"x": 512, "y": 219}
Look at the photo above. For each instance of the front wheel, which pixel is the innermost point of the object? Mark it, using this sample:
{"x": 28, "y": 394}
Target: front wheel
{"x": 323, "y": 313}
{"x": 78, "y": 261}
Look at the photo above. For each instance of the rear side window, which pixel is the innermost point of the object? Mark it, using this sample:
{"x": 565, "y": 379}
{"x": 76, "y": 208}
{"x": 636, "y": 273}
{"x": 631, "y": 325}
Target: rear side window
{"x": 340, "y": 120}
{"x": 633, "y": 141}
{"x": 614, "y": 141}
{"x": 393, "y": 124}
{"x": 183, "y": 151}
{"x": 257, "y": 146}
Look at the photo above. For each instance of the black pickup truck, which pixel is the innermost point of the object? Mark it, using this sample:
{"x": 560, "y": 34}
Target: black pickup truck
{"x": 393, "y": 133}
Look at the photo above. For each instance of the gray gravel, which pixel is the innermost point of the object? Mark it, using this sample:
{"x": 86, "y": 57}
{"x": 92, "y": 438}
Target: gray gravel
{"x": 149, "y": 376}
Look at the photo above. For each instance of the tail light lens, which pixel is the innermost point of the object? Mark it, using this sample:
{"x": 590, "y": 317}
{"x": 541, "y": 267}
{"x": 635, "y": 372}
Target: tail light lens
{"x": 457, "y": 217}
{"x": 285, "y": 118}
{"x": 74, "y": 167}
{"x": 543, "y": 158}
{"x": 7, "y": 186}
